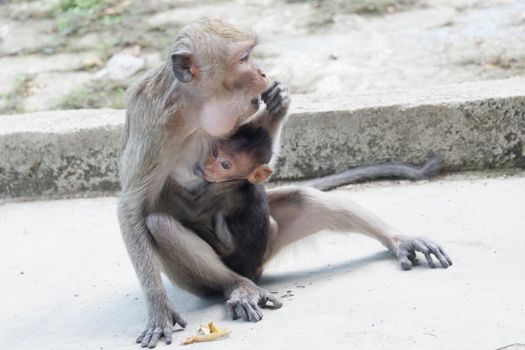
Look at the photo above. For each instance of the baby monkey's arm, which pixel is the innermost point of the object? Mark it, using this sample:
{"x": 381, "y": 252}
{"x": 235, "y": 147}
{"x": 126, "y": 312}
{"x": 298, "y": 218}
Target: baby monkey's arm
{"x": 223, "y": 234}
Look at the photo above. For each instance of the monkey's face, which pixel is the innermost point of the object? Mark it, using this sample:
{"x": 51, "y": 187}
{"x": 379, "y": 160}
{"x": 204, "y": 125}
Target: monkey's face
{"x": 244, "y": 77}
{"x": 222, "y": 166}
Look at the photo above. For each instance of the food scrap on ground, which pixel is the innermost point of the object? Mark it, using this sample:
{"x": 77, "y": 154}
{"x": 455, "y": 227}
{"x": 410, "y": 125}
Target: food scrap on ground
{"x": 207, "y": 332}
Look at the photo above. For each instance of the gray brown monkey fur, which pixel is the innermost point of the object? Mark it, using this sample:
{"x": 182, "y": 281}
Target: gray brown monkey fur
{"x": 170, "y": 123}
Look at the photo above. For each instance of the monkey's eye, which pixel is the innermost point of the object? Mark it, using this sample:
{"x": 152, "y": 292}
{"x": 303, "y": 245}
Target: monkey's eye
{"x": 215, "y": 152}
{"x": 245, "y": 56}
{"x": 226, "y": 165}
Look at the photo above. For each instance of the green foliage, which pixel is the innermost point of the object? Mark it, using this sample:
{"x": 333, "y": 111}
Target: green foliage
{"x": 119, "y": 22}
{"x": 81, "y": 16}
{"x": 75, "y": 5}
{"x": 327, "y": 9}
{"x": 95, "y": 95}
{"x": 13, "y": 101}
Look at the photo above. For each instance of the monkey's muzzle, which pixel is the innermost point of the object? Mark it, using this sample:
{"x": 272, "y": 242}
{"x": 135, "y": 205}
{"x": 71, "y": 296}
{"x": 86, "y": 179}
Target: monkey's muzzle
{"x": 256, "y": 102}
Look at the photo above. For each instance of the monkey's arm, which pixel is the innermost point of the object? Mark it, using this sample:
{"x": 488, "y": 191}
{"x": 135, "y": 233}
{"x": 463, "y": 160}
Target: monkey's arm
{"x": 277, "y": 101}
{"x": 142, "y": 177}
{"x": 223, "y": 234}
{"x": 217, "y": 235}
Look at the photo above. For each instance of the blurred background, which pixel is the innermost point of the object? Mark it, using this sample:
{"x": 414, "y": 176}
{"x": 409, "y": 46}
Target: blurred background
{"x": 68, "y": 54}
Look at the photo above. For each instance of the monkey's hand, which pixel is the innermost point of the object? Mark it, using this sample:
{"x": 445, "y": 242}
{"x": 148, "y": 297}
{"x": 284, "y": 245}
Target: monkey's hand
{"x": 405, "y": 249}
{"x": 161, "y": 324}
{"x": 277, "y": 100}
{"x": 245, "y": 300}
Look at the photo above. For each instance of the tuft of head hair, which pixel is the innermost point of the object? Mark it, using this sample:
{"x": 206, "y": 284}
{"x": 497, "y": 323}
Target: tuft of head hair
{"x": 221, "y": 29}
{"x": 252, "y": 140}
{"x": 209, "y": 37}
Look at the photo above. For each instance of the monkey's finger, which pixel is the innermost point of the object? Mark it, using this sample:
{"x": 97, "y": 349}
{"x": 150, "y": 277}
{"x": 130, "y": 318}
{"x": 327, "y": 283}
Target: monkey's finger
{"x": 251, "y": 313}
{"x": 177, "y": 319}
{"x": 275, "y": 303}
{"x": 428, "y": 248}
{"x": 147, "y": 338}
{"x": 445, "y": 255}
{"x": 141, "y": 336}
{"x": 430, "y": 261}
{"x": 264, "y": 95}
{"x": 157, "y": 332}
{"x": 274, "y": 95}
{"x": 231, "y": 307}
{"x": 256, "y": 311}
{"x": 413, "y": 258}
{"x": 275, "y": 105}
{"x": 273, "y": 98}
{"x": 282, "y": 108}
{"x": 239, "y": 309}
{"x": 404, "y": 261}
{"x": 271, "y": 87}
{"x": 167, "y": 335}
{"x": 428, "y": 257}
{"x": 442, "y": 260}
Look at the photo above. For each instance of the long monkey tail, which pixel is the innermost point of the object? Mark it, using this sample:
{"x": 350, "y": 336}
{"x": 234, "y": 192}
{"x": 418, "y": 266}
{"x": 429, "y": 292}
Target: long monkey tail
{"x": 398, "y": 170}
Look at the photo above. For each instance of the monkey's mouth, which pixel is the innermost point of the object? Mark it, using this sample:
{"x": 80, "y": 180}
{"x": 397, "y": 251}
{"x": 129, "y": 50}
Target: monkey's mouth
{"x": 198, "y": 170}
{"x": 211, "y": 181}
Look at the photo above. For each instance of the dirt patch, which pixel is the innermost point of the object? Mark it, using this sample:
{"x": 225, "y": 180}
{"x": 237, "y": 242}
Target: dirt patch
{"x": 319, "y": 48}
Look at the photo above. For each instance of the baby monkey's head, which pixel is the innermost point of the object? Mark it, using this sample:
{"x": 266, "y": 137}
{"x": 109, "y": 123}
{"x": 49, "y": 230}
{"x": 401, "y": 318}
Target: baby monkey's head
{"x": 244, "y": 155}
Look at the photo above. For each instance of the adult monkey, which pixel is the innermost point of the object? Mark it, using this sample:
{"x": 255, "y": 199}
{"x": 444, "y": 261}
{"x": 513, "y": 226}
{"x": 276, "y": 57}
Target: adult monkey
{"x": 206, "y": 89}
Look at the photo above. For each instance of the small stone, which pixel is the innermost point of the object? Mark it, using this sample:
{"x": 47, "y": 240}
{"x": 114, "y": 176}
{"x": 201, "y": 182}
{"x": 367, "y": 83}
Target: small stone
{"x": 121, "y": 66}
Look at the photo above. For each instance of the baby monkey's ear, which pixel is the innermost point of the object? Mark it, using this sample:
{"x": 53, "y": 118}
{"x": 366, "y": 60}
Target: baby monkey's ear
{"x": 260, "y": 174}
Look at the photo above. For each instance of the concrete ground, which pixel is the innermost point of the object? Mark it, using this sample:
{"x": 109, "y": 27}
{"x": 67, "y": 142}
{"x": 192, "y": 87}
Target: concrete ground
{"x": 67, "y": 282}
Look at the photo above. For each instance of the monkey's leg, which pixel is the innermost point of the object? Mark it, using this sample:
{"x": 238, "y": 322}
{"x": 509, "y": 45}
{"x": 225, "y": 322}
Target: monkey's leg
{"x": 303, "y": 211}
{"x": 191, "y": 263}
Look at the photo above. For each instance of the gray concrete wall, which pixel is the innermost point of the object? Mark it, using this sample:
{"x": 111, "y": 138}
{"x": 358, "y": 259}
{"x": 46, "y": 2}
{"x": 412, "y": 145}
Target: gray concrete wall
{"x": 472, "y": 126}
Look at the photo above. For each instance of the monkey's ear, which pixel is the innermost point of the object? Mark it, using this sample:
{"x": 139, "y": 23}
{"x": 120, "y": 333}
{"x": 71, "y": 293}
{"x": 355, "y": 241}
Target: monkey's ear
{"x": 260, "y": 174}
{"x": 184, "y": 66}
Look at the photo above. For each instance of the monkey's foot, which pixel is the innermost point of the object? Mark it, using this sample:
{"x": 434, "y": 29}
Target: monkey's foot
{"x": 405, "y": 249}
{"x": 161, "y": 325}
{"x": 246, "y": 299}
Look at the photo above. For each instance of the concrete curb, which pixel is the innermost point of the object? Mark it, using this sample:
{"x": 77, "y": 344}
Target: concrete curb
{"x": 472, "y": 126}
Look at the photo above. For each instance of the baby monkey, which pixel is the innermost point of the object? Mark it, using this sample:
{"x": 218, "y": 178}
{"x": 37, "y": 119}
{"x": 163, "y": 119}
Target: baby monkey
{"x": 235, "y": 171}
{"x": 243, "y": 156}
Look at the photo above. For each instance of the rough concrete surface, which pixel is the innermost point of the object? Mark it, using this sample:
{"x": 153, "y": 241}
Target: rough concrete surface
{"x": 59, "y": 152}
{"x": 67, "y": 282}
{"x": 471, "y": 125}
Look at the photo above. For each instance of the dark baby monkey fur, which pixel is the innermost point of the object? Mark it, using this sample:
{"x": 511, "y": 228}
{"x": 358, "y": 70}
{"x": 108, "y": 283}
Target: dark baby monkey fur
{"x": 232, "y": 213}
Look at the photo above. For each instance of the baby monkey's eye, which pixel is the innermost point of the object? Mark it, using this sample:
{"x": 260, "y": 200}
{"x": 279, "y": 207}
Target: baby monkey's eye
{"x": 226, "y": 165}
{"x": 215, "y": 152}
